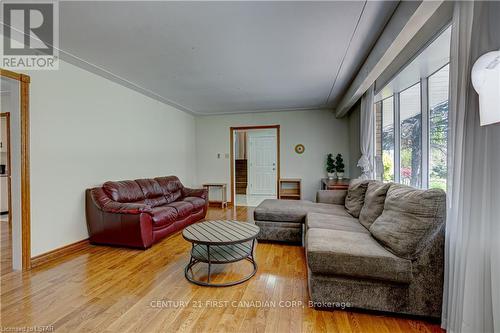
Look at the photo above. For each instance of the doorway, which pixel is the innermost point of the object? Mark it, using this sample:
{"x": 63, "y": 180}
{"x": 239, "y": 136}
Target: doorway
{"x": 15, "y": 185}
{"x": 255, "y": 166}
{"x": 5, "y": 198}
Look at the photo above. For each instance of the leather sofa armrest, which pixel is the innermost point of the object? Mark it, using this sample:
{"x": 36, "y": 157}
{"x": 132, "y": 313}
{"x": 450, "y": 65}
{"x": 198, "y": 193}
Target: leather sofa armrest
{"x": 104, "y": 203}
{"x": 114, "y": 223}
{"x": 336, "y": 197}
{"x": 196, "y": 192}
{"x": 126, "y": 208}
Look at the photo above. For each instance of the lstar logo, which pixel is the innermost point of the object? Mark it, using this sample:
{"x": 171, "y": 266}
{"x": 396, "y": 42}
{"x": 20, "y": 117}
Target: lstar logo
{"x": 30, "y": 35}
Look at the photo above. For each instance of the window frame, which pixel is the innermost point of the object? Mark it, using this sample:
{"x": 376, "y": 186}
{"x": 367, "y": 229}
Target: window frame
{"x": 398, "y": 153}
{"x": 428, "y": 122}
{"x": 425, "y": 128}
{"x": 381, "y": 133}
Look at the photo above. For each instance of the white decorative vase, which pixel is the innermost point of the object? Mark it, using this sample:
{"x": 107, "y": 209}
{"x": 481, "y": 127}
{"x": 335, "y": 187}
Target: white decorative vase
{"x": 331, "y": 175}
{"x": 340, "y": 175}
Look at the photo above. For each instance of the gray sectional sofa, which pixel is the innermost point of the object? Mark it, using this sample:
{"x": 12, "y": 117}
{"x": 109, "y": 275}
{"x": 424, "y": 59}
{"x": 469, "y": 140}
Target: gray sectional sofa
{"x": 376, "y": 246}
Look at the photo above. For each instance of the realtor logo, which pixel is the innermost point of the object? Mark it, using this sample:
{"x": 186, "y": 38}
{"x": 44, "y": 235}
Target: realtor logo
{"x": 30, "y": 35}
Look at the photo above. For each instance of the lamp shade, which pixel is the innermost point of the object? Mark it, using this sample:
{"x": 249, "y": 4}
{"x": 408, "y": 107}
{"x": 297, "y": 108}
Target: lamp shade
{"x": 485, "y": 77}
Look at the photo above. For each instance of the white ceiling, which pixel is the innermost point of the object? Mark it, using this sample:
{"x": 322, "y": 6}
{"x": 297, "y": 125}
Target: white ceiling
{"x": 226, "y": 57}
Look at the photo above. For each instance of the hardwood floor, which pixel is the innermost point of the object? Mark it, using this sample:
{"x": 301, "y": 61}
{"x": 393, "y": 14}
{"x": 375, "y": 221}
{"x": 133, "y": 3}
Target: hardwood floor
{"x": 5, "y": 246}
{"x": 106, "y": 289}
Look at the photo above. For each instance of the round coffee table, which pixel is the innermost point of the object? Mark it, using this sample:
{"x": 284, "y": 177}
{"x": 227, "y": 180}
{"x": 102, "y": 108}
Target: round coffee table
{"x": 220, "y": 242}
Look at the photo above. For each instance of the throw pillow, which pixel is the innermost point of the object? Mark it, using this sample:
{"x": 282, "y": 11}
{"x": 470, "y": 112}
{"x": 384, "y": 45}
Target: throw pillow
{"x": 410, "y": 219}
{"x": 356, "y": 196}
{"x": 374, "y": 203}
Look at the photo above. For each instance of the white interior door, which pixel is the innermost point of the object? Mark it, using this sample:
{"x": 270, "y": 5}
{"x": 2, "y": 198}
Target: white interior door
{"x": 262, "y": 163}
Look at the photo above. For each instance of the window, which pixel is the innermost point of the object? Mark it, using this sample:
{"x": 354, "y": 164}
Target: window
{"x": 438, "y": 127}
{"x": 410, "y": 136}
{"x": 402, "y": 154}
{"x": 411, "y": 119}
{"x": 388, "y": 139}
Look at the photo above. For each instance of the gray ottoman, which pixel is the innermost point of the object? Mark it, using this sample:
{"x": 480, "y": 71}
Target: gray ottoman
{"x": 281, "y": 220}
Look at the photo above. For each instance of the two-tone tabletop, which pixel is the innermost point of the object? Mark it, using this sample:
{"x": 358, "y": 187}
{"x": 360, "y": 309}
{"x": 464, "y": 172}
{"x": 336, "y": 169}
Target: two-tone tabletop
{"x": 220, "y": 242}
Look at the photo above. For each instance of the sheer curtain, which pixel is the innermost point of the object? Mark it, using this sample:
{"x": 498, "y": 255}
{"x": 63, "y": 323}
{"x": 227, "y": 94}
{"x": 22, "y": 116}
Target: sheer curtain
{"x": 472, "y": 265}
{"x": 367, "y": 137}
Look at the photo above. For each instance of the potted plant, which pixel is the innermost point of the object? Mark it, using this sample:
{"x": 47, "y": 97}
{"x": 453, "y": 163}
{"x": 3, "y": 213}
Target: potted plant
{"x": 339, "y": 166}
{"x": 330, "y": 166}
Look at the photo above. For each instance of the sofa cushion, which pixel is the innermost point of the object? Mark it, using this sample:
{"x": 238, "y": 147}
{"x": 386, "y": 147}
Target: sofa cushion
{"x": 334, "y": 222}
{"x": 164, "y": 216}
{"x": 197, "y": 202}
{"x": 329, "y": 209}
{"x": 123, "y": 191}
{"x": 354, "y": 254}
{"x": 410, "y": 219}
{"x": 171, "y": 187}
{"x": 336, "y": 197}
{"x": 282, "y": 210}
{"x": 356, "y": 196}
{"x": 183, "y": 208}
{"x": 293, "y": 210}
{"x": 152, "y": 192}
{"x": 280, "y": 231}
{"x": 106, "y": 204}
{"x": 374, "y": 202}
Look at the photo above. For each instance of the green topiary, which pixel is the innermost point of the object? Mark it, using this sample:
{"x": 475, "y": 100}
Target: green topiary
{"x": 330, "y": 164}
{"x": 339, "y": 162}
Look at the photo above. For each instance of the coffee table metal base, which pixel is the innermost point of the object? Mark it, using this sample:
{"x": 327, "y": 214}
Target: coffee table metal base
{"x": 189, "y": 276}
{"x": 219, "y": 255}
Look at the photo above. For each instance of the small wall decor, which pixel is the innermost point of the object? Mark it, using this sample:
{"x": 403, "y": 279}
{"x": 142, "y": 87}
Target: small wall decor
{"x": 299, "y": 149}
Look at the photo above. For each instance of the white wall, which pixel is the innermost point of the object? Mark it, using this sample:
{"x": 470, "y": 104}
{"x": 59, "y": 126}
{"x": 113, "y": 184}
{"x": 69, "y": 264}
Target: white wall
{"x": 86, "y": 130}
{"x": 319, "y": 131}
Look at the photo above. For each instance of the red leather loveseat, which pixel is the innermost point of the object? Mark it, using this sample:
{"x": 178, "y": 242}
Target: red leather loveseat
{"x": 139, "y": 213}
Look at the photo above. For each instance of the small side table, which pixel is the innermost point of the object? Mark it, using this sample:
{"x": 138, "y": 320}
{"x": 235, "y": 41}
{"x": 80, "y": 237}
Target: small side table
{"x": 290, "y": 188}
{"x": 223, "y": 188}
{"x": 335, "y": 184}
